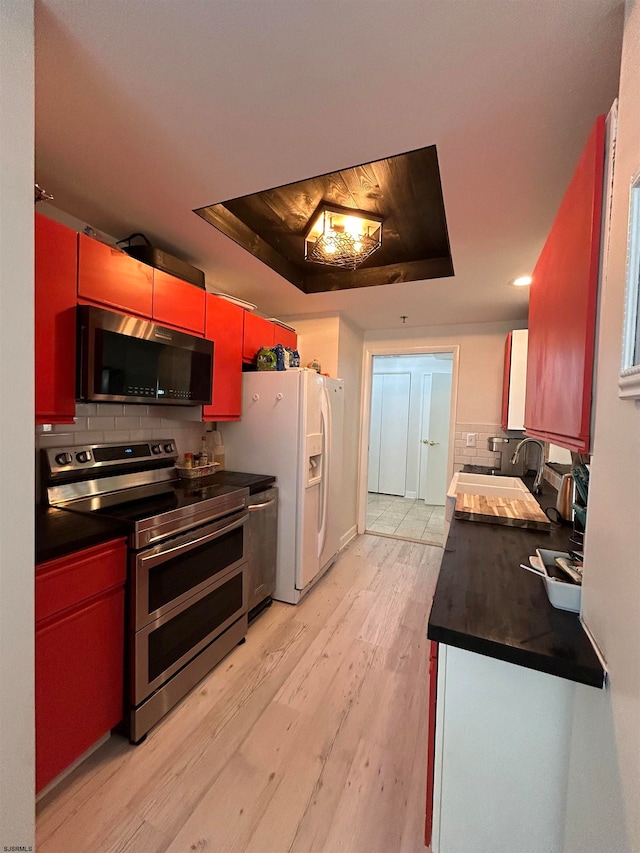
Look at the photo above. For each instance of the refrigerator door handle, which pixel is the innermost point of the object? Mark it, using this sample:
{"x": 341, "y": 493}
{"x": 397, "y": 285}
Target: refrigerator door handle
{"x": 325, "y": 416}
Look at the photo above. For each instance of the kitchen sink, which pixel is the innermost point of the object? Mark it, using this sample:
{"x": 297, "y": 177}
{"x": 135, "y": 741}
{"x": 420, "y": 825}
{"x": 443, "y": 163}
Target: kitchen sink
{"x": 488, "y": 485}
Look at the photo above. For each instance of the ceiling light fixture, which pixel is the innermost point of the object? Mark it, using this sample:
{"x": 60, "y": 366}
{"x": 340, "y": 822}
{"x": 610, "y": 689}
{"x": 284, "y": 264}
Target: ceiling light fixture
{"x": 522, "y": 281}
{"x": 341, "y": 237}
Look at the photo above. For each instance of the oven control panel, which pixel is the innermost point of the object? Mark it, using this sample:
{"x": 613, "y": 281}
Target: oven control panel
{"x": 85, "y": 458}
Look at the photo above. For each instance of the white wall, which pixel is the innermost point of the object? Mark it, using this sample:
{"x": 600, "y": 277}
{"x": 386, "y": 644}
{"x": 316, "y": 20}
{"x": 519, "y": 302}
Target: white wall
{"x": 480, "y": 378}
{"x": 350, "y": 369}
{"x": 605, "y": 806}
{"x": 480, "y": 367}
{"x": 16, "y": 425}
{"x": 318, "y": 339}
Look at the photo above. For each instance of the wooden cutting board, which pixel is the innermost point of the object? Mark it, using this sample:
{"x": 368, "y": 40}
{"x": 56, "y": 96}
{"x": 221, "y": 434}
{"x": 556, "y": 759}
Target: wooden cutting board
{"x": 510, "y": 511}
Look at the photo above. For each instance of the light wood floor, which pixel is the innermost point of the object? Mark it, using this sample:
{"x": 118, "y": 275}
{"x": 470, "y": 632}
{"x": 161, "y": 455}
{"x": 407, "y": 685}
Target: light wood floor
{"x": 310, "y": 737}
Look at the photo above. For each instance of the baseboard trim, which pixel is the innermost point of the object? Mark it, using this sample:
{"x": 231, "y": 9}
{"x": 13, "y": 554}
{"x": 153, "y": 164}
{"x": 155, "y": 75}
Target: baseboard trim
{"x": 67, "y": 771}
{"x": 411, "y": 495}
{"x": 348, "y": 536}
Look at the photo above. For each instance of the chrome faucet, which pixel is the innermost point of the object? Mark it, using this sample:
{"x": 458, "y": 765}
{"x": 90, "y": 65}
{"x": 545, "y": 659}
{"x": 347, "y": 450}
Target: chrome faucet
{"x": 538, "y": 480}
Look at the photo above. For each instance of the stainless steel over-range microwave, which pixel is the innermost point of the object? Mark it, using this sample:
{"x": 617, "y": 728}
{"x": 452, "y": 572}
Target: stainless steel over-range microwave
{"x": 129, "y": 360}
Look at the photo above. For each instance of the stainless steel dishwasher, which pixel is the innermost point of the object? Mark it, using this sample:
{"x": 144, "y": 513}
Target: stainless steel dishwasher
{"x": 262, "y": 535}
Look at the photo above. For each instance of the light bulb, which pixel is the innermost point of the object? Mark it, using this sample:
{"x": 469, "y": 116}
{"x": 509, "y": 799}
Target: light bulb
{"x": 353, "y": 225}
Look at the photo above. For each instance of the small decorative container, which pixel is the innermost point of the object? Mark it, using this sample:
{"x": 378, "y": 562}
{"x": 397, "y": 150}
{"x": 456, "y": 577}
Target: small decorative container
{"x": 294, "y": 358}
{"x": 199, "y": 471}
{"x": 266, "y": 359}
{"x": 282, "y": 357}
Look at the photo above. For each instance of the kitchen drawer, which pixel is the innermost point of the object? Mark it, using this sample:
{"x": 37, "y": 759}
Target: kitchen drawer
{"x": 67, "y": 581}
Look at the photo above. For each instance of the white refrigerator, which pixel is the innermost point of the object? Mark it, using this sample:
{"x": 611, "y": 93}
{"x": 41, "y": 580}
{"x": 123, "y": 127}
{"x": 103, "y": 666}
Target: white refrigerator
{"x": 291, "y": 427}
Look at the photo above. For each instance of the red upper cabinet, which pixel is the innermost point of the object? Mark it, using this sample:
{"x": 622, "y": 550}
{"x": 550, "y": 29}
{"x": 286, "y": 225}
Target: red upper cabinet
{"x": 285, "y": 337}
{"x": 562, "y": 309}
{"x": 56, "y": 264}
{"x": 258, "y": 333}
{"x": 224, "y": 326}
{"x": 112, "y": 278}
{"x": 178, "y": 303}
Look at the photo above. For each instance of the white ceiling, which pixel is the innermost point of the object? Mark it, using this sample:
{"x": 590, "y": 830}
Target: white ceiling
{"x": 147, "y": 109}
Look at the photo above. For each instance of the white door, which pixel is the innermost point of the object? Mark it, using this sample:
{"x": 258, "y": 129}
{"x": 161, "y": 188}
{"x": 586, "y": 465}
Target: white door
{"x": 436, "y": 407}
{"x": 388, "y": 433}
{"x": 374, "y": 433}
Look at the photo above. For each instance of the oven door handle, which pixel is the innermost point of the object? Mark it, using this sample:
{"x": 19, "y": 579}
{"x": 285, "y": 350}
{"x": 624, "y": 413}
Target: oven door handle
{"x": 153, "y": 559}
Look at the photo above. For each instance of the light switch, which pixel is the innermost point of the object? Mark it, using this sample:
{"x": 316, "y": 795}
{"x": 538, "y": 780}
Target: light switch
{"x": 471, "y": 439}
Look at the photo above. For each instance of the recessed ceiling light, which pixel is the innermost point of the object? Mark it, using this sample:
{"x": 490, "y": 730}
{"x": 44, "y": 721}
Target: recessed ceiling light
{"x": 522, "y": 281}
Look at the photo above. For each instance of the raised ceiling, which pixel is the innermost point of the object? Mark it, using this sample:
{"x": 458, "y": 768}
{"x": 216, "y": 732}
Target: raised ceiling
{"x": 146, "y": 111}
{"x": 404, "y": 191}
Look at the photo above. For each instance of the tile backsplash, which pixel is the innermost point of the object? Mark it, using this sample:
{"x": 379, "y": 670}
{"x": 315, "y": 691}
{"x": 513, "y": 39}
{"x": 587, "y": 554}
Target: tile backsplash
{"x": 97, "y": 423}
{"x": 480, "y": 454}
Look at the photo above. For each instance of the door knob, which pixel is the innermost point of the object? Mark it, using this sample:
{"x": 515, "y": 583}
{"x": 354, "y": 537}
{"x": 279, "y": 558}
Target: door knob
{"x": 430, "y": 443}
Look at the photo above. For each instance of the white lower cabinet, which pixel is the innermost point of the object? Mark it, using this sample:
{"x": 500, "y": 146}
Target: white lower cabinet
{"x": 501, "y": 756}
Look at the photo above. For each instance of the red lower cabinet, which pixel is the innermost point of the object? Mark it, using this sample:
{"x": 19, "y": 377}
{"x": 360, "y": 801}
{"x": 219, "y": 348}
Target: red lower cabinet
{"x": 79, "y": 654}
{"x": 431, "y": 740}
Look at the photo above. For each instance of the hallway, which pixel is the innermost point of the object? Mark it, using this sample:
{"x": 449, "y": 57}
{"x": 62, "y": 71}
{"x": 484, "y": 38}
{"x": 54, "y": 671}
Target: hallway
{"x": 405, "y": 518}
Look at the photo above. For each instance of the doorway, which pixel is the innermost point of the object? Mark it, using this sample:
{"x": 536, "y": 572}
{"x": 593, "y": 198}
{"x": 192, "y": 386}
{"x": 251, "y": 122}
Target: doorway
{"x": 408, "y": 425}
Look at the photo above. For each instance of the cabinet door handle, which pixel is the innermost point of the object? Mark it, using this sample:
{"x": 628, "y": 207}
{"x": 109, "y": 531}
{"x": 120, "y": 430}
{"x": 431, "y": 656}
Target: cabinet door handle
{"x": 430, "y": 443}
{"x": 256, "y": 507}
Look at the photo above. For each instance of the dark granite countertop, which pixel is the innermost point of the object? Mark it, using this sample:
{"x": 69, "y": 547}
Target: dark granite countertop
{"x": 485, "y": 603}
{"x": 253, "y": 482}
{"x": 60, "y": 532}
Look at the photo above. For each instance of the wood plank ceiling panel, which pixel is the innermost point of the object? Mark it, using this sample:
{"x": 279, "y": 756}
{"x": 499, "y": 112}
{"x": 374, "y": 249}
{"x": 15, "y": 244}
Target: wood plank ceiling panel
{"x": 404, "y": 190}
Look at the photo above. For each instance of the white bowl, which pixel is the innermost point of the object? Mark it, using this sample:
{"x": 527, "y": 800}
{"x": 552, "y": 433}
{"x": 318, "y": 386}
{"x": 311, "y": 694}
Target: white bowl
{"x": 563, "y": 595}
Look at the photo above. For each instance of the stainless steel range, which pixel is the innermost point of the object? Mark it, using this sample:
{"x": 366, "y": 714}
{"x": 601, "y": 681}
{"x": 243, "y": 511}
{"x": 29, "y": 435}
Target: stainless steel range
{"x": 187, "y": 587}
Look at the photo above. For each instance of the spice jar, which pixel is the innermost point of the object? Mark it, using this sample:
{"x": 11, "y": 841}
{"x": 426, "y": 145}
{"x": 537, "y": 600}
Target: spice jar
{"x": 188, "y": 460}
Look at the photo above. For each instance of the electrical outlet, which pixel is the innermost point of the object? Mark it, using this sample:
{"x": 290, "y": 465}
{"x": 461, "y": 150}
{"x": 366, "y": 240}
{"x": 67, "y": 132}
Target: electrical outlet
{"x": 471, "y": 439}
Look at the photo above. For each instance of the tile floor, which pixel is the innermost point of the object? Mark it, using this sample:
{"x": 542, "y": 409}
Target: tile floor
{"x": 405, "y": 518}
